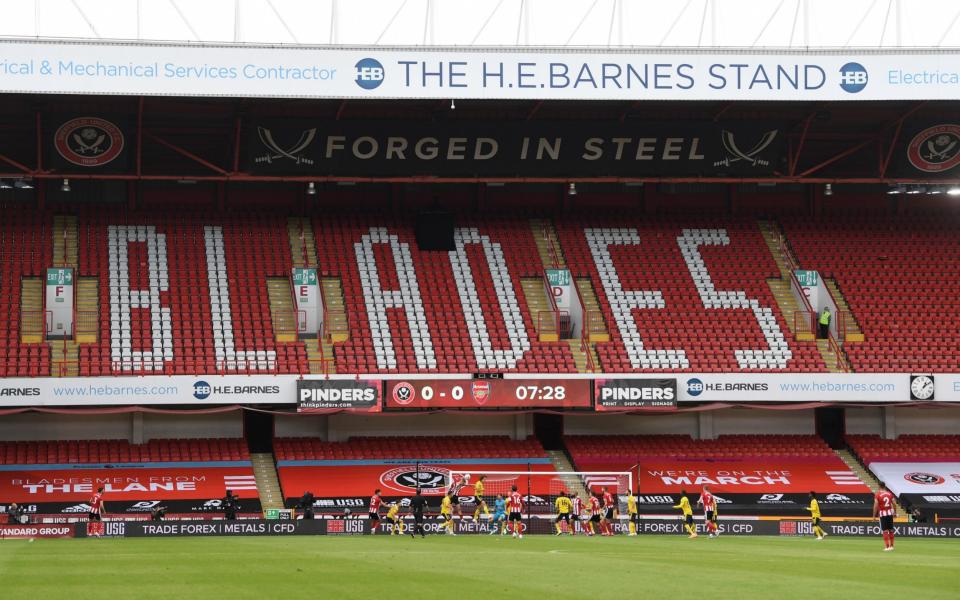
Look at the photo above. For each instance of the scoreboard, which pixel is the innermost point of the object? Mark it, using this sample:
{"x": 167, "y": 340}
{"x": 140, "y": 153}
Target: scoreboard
{"x": 488, "y": 393}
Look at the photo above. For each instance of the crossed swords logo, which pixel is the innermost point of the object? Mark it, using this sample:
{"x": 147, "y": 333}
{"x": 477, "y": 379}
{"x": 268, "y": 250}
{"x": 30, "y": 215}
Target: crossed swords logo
{"x": 735, "y": 154}
{"x": 937, "y": 156}
{"x": 84, "y": 148}
{"x": 275, "y": 152}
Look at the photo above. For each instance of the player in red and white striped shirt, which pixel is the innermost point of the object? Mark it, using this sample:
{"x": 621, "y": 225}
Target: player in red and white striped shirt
{"x": 608, "y": 516}
{"x": 709, "y": 502}
{"x": 515, "y": 507}
{"x": 375, "y": 502}
{"x": 595, "y": 514}
{"x": 577, "y": 512}
{"x": 885, "y": 508}
{"x": 94, "y": 518}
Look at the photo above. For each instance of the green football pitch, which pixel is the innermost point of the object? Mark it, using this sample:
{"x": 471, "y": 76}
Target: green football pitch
{"x": 381, "y": 567}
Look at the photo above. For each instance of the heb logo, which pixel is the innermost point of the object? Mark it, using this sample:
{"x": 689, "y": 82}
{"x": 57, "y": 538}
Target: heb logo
{"x": 853, "y": 77}
{"x": 370, "y": 73}
{"x": 202, "y": 390}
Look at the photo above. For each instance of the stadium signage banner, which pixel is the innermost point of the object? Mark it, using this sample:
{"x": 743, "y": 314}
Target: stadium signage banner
{"x": 489, "y": 73}
{"x": 944, "y": 505}
{"x": 747, "y": 476}
{"x": 535, "y": 525}
{"x": 209, "y": 506}
{"x": 152, "y": 390}
{"x": 245, "y": 527}
{"x": 16, "y": 531}
{"x": 38, "y": 484}
{"x": 323, "y": 395}
{"x": 622, "y": 394}
{"x": 806, "y": 387}
{"x": 928, "y": 478}
{"x": 533, "y": 148}
{"x": 772, "y": 503}
{"x": 488, "y": 393}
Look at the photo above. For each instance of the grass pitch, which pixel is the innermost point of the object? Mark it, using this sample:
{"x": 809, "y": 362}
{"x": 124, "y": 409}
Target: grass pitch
{"x": 465, "y": 567}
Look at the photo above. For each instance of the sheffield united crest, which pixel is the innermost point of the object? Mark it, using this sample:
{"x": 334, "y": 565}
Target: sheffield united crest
{"x": 935, "y": 149}
{"x": 89, "y": 141}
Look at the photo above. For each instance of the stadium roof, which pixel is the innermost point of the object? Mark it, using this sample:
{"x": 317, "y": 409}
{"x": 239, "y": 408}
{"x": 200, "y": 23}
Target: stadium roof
{"x": 797, "y": 24}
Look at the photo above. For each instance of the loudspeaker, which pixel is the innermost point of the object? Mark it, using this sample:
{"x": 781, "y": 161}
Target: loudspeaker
{"x": 434, "y": 230}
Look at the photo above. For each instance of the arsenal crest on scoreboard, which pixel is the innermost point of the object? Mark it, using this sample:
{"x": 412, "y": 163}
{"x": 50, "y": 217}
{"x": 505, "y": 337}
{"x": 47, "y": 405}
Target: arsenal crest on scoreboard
{"x": 88, "y": 143}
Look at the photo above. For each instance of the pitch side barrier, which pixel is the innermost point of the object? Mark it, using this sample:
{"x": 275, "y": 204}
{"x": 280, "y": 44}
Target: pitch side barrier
{"x": 541, "y": 526}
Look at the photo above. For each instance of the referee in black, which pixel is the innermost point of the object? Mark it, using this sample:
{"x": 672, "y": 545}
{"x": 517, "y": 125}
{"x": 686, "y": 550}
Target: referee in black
{"x": 417, "y": 506}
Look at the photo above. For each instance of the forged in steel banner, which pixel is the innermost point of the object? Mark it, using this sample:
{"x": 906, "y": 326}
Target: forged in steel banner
{"x": 100, "y": 67}
{"x": 622, "y": 394}
{"x": 488, "y": 393}
{"x": 323, "y": 395}
{"x": 536, "y": 148}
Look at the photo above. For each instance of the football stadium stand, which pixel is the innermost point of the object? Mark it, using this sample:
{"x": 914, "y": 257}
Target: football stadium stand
{"x": 712, "y": 310}
{"x": 911, "y": 326}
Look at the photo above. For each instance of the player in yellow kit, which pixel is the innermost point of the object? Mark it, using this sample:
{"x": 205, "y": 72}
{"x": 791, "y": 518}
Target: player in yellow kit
{"x": 633, "y": 514}
{"x": 478, "y": 499}
{"x": 687, "y": 514}
{"x": 446, "y": 512}
{"x": 564, "y": 509}
{"x": 814, "y": 509}
{"x": 393, "y": 517}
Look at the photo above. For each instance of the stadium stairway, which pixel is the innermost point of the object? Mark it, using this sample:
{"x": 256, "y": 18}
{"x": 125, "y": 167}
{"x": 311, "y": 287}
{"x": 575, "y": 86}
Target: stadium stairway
{"x": 303, "y": 249}
{"x": 65, "y": 244}
{"x": 853, "y": 333}
{"x": 65, "y": 354}
{"x": 551, "y": 255}
{"x": 864, "y": 474}
{"x": 538, "y": 304}
{"x": 268, "y": 484}
{"x": 336, "y": 327}
{"x": 548, "y": 245}
{"x": 788, "y": 303}
{"x": 573, "y": 484}
{"x": 87, "y": 312}
{"x": 592, "y": 312}
{"x": 282, "y": 312}
{"x": 31, "y": 310}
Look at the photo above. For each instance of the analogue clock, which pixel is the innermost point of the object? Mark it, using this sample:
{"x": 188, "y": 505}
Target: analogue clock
{"x": 921, "y": 387}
